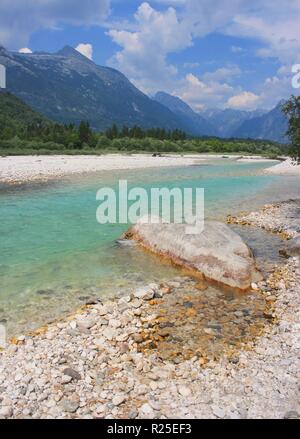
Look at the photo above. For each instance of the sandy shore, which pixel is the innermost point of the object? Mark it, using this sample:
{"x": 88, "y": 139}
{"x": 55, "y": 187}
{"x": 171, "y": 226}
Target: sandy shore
{"x": 15, "y": 169}
{"x": 285, "y": 168}
{"x": 92, "y": 365}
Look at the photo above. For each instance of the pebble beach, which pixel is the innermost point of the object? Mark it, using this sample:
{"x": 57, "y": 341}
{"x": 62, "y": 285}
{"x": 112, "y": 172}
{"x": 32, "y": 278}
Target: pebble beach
{"x": 21, "y": 169}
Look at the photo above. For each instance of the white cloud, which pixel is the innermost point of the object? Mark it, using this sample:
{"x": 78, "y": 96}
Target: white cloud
{"x": 244, "y": 101}
{"x": 147, "y": 41}
{"x": 144, "y": 50}
{"x": 277, "y": 87}
{"x": 25, "y": 50}
{"x": 19, "y": 18}
{"x": 146, "y": 44}
{"x": 276, "y": 24}
{"x": 85, "y": 49}
{"x": 224, "y": 73}
{"x": 198, "y": 93}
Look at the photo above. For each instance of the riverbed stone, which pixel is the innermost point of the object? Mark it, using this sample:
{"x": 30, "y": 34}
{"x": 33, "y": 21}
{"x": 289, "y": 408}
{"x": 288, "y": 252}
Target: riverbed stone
{"x": 184, "y": 391}
{"x": 217, "y": 253}
{"x": 72, "y": 373}
{"x": 69, "y": 405}
{"x": 144, "y": 293}
{"x": 118, "y": 400}
{"x": 292, "y": 247}
{"x": 6, "y": 412}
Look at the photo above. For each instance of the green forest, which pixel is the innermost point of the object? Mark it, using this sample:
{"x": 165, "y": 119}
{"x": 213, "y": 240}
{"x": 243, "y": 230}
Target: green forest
{"x": 25, "y": 131}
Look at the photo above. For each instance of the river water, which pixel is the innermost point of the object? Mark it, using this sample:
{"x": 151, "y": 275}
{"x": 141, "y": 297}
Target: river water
{"x": 54, "y": 255}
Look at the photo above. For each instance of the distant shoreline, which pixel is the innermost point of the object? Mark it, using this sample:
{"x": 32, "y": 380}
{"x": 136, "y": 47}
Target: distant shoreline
{"x": 22, "y": 169}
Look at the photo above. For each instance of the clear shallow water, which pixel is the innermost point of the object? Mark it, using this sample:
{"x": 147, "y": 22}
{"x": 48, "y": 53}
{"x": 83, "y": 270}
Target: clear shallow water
{"x": 54, "y": 254}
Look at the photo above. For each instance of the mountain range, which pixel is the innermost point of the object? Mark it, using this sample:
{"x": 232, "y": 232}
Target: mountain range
{"x": 228, "y": 121}
{"x": 272, "y": 125}
{"x": 258, "y": 124}
{"x": 67, "y": 87}
{"x": 194, "y": 123}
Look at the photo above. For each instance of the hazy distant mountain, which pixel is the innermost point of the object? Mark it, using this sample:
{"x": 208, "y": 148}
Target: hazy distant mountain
{"x": 227, "y": 121}
{"x": 68, "y": 87}
{"x": 272, "y": 126}
{"x": 194, "y": 123}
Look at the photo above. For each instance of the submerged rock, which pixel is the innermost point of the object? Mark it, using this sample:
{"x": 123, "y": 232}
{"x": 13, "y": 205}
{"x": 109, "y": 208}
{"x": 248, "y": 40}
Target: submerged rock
{"x": 292, "y": 248}
{"x": 45, "y": 292}
{"x": 217, "y": 254}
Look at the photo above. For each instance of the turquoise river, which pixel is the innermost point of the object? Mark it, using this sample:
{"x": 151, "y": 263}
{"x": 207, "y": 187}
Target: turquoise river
{"x": 54, "y": 255}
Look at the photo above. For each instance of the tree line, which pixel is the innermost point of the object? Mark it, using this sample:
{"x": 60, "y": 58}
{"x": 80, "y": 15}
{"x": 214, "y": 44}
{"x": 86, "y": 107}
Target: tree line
{"x": 23, "y": 130}
{"x": 137, "y": 132}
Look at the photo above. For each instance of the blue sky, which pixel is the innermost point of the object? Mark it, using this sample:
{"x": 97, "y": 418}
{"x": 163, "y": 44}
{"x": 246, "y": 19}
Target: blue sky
{"x": 211, "y": 53}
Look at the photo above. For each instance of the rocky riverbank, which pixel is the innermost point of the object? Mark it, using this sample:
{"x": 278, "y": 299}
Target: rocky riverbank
{"x": 96, "y": 364}
{"x": 280, "y": 218}
{"x": 288, "y": 167}
{"x": 176, "y": 350}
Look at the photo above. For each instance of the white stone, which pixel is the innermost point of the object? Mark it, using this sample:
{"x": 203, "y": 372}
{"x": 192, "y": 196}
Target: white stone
{"x": 147, "y": 410}
{"x": 145, "y": 293}
{"x": 118, "y": 400}
{"x": 6, "y": 411}
{"x": 184, "y": 391}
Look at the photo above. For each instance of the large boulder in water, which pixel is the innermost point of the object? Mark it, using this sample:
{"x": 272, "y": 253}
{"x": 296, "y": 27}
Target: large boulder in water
{"x": 217, "y": 254}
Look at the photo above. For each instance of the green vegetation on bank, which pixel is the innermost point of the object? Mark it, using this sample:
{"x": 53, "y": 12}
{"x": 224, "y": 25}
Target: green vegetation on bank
{"x": 292, "y": 109}
{"x": 25, "y": 131}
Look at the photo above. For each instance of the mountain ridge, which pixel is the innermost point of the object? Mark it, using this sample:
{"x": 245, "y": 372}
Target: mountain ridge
{"x": 68, "y": 87}
{"x": 227, "y": 121}
{"x": 272, "y": 126}
{"x": 196, "y": 124}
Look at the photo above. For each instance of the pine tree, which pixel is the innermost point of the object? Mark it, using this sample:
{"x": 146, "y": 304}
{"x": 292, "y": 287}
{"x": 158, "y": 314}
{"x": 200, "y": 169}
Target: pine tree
{"x": 84, "y": 132}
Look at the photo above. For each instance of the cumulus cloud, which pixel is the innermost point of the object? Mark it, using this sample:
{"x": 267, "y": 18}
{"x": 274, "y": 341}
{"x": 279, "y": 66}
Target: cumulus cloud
{"x": 244, "y": 101}
{"x": 168, "y": 26}
{"x": 224, "y": 73}
{"x": 277, "y": 87}
{"x": 199, "y": 93}
{"x": 281, "y": 35}
{"x": 86, "y": 50}
{"x": 25, "y": 50}
{"x": 144, "y": 50}
{"x": 155, "y": 34}
{"x": 18, "y": 19}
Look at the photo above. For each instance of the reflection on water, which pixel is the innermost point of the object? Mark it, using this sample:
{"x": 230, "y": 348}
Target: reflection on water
{"x": 54, "y": 255}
